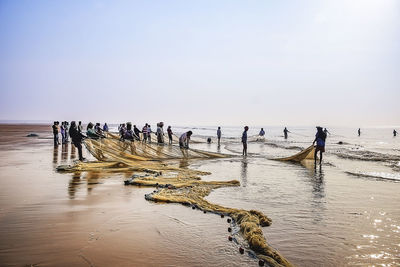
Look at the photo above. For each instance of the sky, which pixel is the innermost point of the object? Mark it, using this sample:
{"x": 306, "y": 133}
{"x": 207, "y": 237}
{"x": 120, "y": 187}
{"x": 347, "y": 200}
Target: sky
{"x": 203, "y": 62}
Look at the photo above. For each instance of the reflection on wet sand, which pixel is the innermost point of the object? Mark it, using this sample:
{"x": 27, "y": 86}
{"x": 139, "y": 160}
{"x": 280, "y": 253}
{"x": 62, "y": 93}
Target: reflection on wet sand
{"x": 244, "y": 172}
{"x": 73, "y": 152}
{"x": 74, "y": 183}
{"x": 55, "y": 155}
{"x": 64, "y": 152}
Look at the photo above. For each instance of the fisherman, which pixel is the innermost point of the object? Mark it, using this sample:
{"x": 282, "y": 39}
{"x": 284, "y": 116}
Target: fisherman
{"x": 184, "y": 139}
{"x": 128, "y": 134}
{"x": 66, "y": 131}
{"x": 285, "y": 131}
{"x": 91, "y": 133}
{"x": 244, "y": 140}
{"x": 320, "y": 138}
{"x": 80, "y": 127}
{"x": 359, "y": 131}
{"x": 105, "y": 127}
{"x": 55, "y": 133}
{"x": 160, "y": 133}
{"x": 169, "y": 131}
{"x": 76, "y": 137}
{"x": 98, "y": 129}
{"x": 137, "y": 132}
{"x": 219, "y": 136}
{"x": 262, "y": 132}
{"x": 144, "y": 131}
{"x": 122, "y": 130}
{"x": 62, "y": 130}
{"x": 394, "y": 133}
{"x": 149, "y": 133}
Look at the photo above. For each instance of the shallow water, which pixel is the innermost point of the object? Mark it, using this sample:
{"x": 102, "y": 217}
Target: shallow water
{"x": 322, "y": 217}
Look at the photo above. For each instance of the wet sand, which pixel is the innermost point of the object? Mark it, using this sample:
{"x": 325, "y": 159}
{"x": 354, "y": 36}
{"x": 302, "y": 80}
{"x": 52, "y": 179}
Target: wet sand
{"x": 321, "y": 217}
{"x": 87, "y": 219}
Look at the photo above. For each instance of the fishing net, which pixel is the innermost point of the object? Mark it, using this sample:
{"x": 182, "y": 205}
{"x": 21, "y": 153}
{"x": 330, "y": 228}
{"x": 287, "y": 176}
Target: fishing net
{"x": 160, "y": 166}
{"x": 114, "y": 149}
{"x": 308, "y": 153}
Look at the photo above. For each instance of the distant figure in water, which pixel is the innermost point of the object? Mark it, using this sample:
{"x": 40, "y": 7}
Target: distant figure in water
{"x": 219, "y": 136}
{"x": 359, "y": 131}
{"x": 285, "y": 131}
{"x": 244, "y": 140}
{"x": 209, "y": 140}
{"x": 320, "y": 138}
{"x": 55, "y": 133}
{"x": 326, "y": 131}
{"x": 262, "y": 132}
{"x": 184, "y": 139}
{"x": 76, "y": 137}
{"x": 169, "y": 131}
{"x": 394, "y": 133}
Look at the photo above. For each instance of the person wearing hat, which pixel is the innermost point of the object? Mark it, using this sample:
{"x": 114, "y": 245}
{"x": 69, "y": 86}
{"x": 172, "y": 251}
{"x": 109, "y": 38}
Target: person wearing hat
{"x": 244, "y": 140}
{"x": 320, "y": 138}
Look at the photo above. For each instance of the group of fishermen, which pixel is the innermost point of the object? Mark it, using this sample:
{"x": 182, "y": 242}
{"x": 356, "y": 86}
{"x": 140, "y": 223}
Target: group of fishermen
{"x": 320, "y": 138}
{"x": 126, "y": 132}
{"x": 95, "y": 131}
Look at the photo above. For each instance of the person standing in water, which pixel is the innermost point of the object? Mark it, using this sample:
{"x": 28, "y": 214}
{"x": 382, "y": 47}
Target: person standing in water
{"x": 326, "y": 131}
{"x": 285, "y": 132}
{"x": 320, "y": 138}
{"x": 219, "y": 136}
{"x": 169, "y": 131}
{"x": 184, "y": 139}
{"x": 394, "y": 132}
{"x": 244, "y": 140}
{"x": 359, "y": 131}
{"x": 76, "y": 137}
{"x": 262, "y": 132}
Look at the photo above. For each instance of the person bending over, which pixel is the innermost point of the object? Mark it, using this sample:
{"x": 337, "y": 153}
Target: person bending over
{"x": 184, "y": 139}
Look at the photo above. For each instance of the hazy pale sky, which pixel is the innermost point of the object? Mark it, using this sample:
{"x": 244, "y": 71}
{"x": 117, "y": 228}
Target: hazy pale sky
{"x": 202, "y": 62}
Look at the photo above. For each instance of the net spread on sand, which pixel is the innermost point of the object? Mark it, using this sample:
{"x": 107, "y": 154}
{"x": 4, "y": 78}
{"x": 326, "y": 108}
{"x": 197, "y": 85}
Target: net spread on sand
{"x": 175, "y": 184}
{"x": 308, "y": 153}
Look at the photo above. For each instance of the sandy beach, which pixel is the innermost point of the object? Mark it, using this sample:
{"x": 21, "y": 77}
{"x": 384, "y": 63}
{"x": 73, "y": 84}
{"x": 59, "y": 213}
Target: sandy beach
{"x": 321, "y": 217}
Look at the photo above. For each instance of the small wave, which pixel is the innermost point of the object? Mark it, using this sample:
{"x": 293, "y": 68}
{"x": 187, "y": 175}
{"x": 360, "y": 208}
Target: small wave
{"x": 365, "y": 155}
{"x": 377, "y": 175}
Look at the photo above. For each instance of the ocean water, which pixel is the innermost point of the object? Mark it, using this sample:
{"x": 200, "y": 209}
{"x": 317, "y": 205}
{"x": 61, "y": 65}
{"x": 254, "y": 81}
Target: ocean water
{"x": 342, "y": 213}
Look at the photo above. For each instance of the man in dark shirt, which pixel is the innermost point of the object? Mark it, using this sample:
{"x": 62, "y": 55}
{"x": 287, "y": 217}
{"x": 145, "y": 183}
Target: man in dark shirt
{"x": 55, "y": 133}
{"x": 244, "y": 140}
{"x": 77, "y": 138}
{"x": 320, "y": 138}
